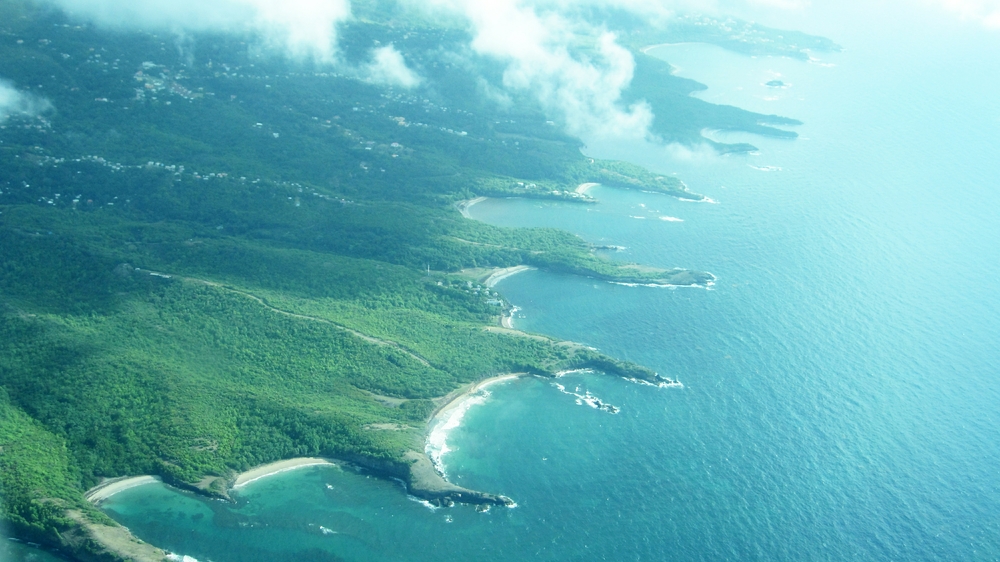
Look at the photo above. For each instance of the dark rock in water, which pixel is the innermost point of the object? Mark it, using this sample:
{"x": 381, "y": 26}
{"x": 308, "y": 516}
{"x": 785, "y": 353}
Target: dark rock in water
{"x": 483, "y": 507}
{"x": 775, "y": 84}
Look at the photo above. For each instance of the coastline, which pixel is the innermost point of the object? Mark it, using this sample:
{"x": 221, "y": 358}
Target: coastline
{"x": 456, "y": 397}
{"x": 507, "y": 320}
{"x": 645, "y": 50}
{"x": 501, "y": 274}
{"x": 423, "y": 477}
{"x": 583, "y": 188}
{"x": 707, "y": 284}
{"x": 108, "y": 488}
{"x": 422, "y": 470}
{"x": 428, "y": 478}
{"x": 270, "y": 469}
{"x": 423, "y": 474}
{"x": 463, "y": 206}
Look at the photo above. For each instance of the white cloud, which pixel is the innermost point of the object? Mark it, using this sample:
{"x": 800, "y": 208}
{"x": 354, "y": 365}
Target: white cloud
{"x": 582, "y": 90}
{"x": 389, "y": 68}
{"x": 658, "y": 10}
{"x": 16, "y": 102}
{"x": 543, "y": 45}
{"x": 302, "y": 28}
{"x": 781, "y": 4}
{"x": 986, "y": 12}
{"x": 496, "y": 95}
{"x": 700, "y": 153}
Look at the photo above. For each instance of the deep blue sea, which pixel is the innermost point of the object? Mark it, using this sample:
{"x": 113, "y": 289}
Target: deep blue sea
{"x": 841, "y": 395}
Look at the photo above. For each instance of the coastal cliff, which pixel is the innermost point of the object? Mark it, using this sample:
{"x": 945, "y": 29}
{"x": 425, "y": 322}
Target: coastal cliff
{"x": 425, "y": 483}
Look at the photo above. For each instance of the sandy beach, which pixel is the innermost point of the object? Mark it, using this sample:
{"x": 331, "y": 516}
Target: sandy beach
{"x": 455, "y": 398}
{"x": 109, "y": 488}
{"x": 583, "y": 188}
{"x": 463, "y": 206}
{"x": 507, "y": 320}
{"x": 647, "y": 48}
{"x": 501, "y": 274}
{"x": 276, "y": 467}
{"x": 430, "y": 472}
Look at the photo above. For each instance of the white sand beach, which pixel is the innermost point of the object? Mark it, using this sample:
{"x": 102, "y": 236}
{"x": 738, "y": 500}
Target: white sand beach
{"x": 464, "y": 206}
{"x": 273, "y": 468}
{"x": 457, "y": 397}
{"x": 501, "y": 274}
{"x": 111, "y": 487}
{"x": 450, "y": 414}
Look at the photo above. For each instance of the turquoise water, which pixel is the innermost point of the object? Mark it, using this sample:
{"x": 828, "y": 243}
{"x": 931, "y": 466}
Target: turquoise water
{"x": 841, "y": 398}
{"x": 10, "y": 550}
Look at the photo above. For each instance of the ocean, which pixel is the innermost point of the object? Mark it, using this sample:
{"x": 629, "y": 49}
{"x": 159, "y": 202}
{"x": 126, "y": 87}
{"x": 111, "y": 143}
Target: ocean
{"x": 841, "y": 395}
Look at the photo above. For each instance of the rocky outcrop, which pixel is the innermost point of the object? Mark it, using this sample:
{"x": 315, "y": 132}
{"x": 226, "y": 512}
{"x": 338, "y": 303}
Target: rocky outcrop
{"x": 94, "y": 542}
{"x": 425, "y": 483}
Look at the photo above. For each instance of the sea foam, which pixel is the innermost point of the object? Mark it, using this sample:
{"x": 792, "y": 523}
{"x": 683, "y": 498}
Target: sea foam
{"x": 424, "y": 503}
{"x": 437, "y": 441}
{"x": 588, "y": 399}
{"x": 707, "y": 286}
